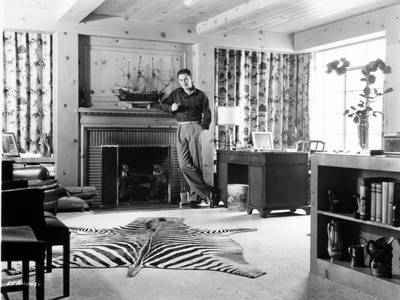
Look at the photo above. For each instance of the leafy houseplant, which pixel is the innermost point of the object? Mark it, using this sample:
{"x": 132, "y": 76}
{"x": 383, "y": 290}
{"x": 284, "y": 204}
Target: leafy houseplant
{"x": 369, "y": 94}
{"x": 363, "y": 109}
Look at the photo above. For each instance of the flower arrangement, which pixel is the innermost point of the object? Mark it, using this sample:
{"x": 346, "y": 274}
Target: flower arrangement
{"x": 363, "y": 109}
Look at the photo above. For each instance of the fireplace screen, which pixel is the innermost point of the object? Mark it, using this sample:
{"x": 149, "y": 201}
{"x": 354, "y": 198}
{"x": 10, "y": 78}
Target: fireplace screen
{"x": 136, "y": 175}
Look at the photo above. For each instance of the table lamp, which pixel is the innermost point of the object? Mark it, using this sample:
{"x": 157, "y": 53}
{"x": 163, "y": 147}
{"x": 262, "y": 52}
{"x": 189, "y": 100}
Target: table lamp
{"x": 228, "y": 116}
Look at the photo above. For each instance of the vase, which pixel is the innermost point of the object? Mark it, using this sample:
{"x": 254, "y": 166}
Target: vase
{"x": 362, "y": 130}
{"x": 335, "y": 246}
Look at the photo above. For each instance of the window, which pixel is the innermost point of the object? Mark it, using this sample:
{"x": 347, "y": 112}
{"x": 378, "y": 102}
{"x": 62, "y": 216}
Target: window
{"x": 335, "y": 93}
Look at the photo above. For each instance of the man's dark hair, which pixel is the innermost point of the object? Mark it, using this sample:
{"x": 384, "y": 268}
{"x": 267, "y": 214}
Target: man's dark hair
{"x": 184, "y": 71}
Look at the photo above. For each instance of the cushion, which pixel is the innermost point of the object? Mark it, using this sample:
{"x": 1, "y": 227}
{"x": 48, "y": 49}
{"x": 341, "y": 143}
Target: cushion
{"x": 49, "y": 184}
{"x": 72, "y": 203}
{"x": 15, "y": 241}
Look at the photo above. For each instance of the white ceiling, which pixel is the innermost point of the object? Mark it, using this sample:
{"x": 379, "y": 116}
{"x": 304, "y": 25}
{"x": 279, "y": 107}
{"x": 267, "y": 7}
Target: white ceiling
{"x": 215, "y": 17}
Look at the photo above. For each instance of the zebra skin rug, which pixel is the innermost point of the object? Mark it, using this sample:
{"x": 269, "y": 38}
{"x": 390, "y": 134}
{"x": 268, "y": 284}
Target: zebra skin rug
{"x": 164, "y": 243}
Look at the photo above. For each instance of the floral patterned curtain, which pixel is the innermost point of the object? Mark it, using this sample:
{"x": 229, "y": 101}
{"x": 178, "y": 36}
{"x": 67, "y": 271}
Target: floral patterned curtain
{"x": 271, "y": 90}
{"x": 28, "y": 102}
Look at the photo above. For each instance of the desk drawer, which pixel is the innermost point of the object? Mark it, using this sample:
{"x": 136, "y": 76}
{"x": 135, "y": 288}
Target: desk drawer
{"x": 263, "y": 158}
{"x": 238, "y": 158}
{"x": 285, "y": 158}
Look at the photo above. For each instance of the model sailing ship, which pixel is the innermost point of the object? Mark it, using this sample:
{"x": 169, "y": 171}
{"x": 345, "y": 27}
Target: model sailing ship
{"x": 131, "y": 93}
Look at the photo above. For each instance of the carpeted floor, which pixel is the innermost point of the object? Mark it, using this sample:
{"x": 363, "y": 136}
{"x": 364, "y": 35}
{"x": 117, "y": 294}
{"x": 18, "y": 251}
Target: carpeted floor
{"x": 280, "y": 247}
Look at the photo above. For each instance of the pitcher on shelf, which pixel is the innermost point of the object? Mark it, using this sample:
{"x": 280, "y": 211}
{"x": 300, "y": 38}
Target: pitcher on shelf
{"x": 335, "y": 245}
{"x": 381, "y": 255}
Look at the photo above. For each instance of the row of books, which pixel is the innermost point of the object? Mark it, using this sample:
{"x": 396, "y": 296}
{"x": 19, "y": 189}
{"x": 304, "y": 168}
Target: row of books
{"x": 378, "y": 198}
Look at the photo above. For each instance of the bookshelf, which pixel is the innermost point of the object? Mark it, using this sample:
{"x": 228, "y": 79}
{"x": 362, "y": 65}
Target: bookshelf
{"x": 342, "y": 171}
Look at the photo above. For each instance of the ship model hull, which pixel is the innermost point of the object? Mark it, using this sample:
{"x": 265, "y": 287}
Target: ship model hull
{"x": 126, "y": 95}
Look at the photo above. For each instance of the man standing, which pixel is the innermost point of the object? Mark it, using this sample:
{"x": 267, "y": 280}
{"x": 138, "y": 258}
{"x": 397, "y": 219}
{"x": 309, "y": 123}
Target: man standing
{"x": 191, "y": 109}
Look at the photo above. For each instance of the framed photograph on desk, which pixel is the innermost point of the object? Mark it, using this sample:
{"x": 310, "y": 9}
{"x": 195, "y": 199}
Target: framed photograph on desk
{"x": 9, "y": 144}
{"x": 262, "y": 141}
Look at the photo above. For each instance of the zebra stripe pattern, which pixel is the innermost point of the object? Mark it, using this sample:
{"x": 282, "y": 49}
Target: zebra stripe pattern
{"x": 165, "y": 243}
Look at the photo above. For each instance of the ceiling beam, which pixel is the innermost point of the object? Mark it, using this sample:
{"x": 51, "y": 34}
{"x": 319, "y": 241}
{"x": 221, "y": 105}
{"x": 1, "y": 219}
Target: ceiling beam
{"x": 368, "y": 25}
{"x": 232, "y": 18}
{"x": 74, "y": 11}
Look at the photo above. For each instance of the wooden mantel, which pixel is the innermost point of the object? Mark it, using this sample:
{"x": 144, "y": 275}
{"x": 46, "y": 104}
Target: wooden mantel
{"x": 132, "y": 117}
{"x": 122, "y": 112}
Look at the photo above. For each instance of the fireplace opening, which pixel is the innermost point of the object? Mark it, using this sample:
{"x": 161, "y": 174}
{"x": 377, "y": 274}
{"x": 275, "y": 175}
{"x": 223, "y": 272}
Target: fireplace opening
{"x": 136, "y": 175}
{"x": 143, "y": 175}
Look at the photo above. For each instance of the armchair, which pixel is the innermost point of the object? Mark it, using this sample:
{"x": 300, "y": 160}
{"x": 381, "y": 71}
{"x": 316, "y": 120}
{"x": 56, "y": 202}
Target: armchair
{"x": 24, "y": 207}
{"x": 38, "y": 177}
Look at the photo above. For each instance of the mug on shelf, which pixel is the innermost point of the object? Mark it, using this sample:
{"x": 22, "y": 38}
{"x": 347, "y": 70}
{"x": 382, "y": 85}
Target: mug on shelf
{"x": 357, "y": 255}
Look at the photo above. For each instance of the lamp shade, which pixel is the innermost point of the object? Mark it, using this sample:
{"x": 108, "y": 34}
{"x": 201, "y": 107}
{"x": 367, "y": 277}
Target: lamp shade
{"x": 228, "y": 115}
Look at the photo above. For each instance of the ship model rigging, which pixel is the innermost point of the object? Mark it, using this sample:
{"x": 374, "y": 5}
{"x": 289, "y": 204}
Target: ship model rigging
{"x": 140, "y": 90}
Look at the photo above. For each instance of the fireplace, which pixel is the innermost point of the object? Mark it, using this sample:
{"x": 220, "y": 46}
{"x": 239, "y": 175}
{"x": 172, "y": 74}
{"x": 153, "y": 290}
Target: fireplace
{"x": 135, "y": 175}
{"x": 142, "y": 140}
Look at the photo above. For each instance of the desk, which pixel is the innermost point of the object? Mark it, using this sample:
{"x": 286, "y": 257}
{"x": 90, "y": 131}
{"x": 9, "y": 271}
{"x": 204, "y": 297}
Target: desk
{"x": 277, "y": 180}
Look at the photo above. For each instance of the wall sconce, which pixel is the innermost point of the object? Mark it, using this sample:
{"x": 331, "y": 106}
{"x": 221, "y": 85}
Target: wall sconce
{"x": 228, "y": 116}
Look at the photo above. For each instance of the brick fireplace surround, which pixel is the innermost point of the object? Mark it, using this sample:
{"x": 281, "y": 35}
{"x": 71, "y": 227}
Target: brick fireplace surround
{"x": 134, "y": 127}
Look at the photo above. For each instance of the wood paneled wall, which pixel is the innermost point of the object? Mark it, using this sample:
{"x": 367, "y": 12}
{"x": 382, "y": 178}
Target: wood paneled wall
{"x": 66, "y": 120}
{"x": 106, "y": 62}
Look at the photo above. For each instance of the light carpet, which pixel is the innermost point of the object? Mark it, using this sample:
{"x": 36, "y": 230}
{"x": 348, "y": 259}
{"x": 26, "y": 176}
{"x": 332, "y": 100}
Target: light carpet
{"x": 280, "y": 247}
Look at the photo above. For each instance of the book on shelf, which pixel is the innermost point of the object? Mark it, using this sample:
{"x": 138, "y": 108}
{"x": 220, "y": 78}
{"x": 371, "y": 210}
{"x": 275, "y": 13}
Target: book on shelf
{"x": 364, "y": 199}
{"x": 393, "y": 199}
{"x": 396, "y": 191}
{"x": 373, "y": 201}
{"x": 371, "y": 195}
{"x": 378, "y": 216}
{"x": 385, "y": 199}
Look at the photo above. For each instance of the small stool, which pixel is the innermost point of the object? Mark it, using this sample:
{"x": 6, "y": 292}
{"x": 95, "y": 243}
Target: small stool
{"x": 20, "y": 244}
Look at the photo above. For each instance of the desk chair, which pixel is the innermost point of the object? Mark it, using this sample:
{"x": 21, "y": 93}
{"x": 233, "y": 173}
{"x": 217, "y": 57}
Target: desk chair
{"x": 24, "y": 207}
{"x": 20, "y": 244}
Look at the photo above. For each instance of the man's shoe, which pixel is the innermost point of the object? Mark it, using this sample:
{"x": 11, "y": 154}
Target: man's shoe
{"x": 212, "y": 203}
{"x": 214, "y": 198}
{"x": 193, "y": 204}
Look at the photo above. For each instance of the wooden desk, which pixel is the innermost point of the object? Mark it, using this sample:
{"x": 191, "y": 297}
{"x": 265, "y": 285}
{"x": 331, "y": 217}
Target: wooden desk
{"x": 277, "y": 180}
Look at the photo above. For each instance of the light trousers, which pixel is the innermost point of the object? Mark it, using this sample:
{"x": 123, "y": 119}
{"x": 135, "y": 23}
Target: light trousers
{"x": 190, "y": 159}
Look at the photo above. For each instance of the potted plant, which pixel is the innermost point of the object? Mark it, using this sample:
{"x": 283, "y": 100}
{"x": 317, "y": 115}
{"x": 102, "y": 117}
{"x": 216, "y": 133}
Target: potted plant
{"x": 362, "y": 110}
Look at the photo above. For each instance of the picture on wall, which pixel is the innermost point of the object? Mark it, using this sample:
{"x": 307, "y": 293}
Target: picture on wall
{"x": 9, "y": 144}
